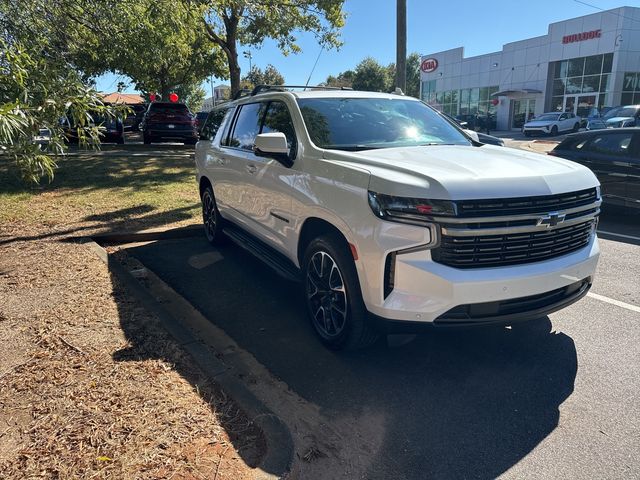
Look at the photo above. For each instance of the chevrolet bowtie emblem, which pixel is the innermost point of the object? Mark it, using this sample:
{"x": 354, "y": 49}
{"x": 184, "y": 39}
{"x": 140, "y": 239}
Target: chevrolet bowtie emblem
{"x": 551, "y": 220}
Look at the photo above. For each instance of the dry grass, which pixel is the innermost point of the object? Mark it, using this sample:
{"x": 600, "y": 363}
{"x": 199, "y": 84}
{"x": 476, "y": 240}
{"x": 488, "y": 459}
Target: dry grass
{"x": 90, "y": 385}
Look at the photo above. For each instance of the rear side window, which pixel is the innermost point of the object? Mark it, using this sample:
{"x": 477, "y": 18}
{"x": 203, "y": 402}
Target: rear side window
{"x": 613, "y": 144}
{"x": 247, "y": 126}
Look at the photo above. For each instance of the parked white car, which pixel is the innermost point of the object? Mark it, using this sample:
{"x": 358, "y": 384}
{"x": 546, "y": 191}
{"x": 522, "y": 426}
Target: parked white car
{"x": 391, "y": 216}
{"x": 552, "y": 123}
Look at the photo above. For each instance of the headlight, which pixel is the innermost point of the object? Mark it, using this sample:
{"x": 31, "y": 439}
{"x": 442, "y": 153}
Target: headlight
{"x": 414, "y": 211}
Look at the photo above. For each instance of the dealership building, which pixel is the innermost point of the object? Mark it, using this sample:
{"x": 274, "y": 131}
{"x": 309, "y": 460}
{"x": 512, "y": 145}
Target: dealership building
{"x": 581, "y": 63}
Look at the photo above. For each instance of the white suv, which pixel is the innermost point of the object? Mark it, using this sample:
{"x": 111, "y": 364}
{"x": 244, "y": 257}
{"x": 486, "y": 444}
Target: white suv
{"x": 391, "y": 216}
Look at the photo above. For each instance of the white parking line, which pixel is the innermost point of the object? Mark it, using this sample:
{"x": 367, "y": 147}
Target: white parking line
{"x": 618, "y": 303}
{"x": 631, "y": 237}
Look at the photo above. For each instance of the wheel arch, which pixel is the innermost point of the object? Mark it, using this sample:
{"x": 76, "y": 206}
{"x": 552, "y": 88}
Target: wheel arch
{"x": 314, "y": 227}
{"x": 204, "y": 183}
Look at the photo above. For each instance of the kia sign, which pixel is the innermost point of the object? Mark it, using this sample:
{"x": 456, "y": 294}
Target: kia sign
{"x": 429, "y": 65}
{"x": 580, "y": 37}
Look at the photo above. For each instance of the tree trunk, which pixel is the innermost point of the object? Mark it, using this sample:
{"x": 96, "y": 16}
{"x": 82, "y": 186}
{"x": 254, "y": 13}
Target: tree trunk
{"x": 234, "y": 68}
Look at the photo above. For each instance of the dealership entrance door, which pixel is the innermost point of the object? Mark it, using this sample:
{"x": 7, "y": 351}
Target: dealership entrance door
{"x": 521, "y": 112}
{"x": 581, "y": 105}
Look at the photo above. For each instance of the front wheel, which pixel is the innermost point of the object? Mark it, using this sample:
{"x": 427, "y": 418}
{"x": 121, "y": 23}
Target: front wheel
{"x": 332, "y": 294}
{"x": 576, "y": 127}
{"x": 554, "y": 131}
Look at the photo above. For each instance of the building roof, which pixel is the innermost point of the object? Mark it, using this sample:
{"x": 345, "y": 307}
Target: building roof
{"x": 127, "y": 98}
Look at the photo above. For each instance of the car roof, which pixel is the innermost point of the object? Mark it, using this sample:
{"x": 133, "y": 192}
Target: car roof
{"x": 605, "y": 131}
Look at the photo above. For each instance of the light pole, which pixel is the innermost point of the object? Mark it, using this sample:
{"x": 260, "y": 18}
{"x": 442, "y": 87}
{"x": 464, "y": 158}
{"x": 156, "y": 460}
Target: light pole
{"x": 247, "y": 54}
{"x": 401, "y": 45}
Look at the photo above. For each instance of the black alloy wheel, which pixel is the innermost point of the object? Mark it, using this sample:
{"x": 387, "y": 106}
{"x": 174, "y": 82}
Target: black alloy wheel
{"x": 211, "y": 218}
{"x": 333, "y": 297}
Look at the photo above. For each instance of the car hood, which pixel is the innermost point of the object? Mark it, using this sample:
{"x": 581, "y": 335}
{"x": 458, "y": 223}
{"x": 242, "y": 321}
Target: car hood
{"x": 618, "y": 119}
{"x": 463, "y": 172}
{"x": 540, "y": 123}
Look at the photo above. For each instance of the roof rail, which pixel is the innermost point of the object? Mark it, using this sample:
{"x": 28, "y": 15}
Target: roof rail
{"x": 265, "y": 88}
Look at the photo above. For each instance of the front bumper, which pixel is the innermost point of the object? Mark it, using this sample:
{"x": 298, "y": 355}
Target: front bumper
{"x": 540, "y": 130}
{"x": 428, "y": 292}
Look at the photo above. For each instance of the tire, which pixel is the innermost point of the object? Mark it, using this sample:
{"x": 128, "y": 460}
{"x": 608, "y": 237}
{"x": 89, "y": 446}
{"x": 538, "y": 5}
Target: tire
{"x": 554, "y": 131}
{"x": 527, "y": 134}
{"x": 120, "y": 140}
{"x": 331, "y": 284}
{"x": 576, "y": 127}
{"x": 211, "y": 219}
{"x": 146, "y": 139}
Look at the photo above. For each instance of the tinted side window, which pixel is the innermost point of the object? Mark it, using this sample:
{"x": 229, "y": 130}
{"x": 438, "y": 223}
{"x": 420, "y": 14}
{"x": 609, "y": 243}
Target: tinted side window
{"x": 214, "y": 120}
{"x": 613, "y": 144}
{"x": 247, "y": 126}
{"x": 278, "y": 119}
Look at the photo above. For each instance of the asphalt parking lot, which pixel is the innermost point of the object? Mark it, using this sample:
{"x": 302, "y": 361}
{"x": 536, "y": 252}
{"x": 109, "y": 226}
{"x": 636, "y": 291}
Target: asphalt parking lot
{"x": 557, "y": 398}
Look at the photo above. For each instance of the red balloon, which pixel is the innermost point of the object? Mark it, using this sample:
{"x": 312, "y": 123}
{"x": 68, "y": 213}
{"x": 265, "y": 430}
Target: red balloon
{"x": 495, "y": 101}
{"x": 173, "y": 97}
{"x": 152, "y": 97}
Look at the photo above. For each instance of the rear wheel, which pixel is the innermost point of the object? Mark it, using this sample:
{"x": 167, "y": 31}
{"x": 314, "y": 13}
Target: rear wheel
{"x": 576, "y": 127}
{"x": 211, "y": 218}
{"x": 333, "y": 297}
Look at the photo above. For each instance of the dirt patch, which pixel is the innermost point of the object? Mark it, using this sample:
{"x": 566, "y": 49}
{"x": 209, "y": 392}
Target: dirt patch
{"x": 90, "y": 384}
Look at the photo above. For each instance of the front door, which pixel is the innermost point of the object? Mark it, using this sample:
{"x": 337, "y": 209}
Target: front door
{"x": 580, "y": 105}
{"x": 522, "y": 111}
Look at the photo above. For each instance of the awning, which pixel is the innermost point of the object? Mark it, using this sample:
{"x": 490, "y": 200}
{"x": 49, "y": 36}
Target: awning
{"x": 507, "y": 93}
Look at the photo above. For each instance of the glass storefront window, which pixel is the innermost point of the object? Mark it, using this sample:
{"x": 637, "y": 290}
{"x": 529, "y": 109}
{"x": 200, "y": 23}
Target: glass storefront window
{"x": 591, "y": 84}
{"x": 475, "y": 95}
{"x": 574, "y": 85}
{"x": 484, "y": 94}
{"x": 556, "y": 104}
{"x": 593, "y": 65}
{"x": 631, "y": 82}
{"x": 454, "y": 96}
{"x": 607, "y": 63}
{"x": 561, "y": 69}
{"x": 558, "y": 87}
{"x": 627, "y": 98}
{"x": 604, "y": 83}
{"x": 576, "y": 67}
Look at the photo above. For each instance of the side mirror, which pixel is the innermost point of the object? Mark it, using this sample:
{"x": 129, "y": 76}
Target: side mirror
{"x": 273, "y": 145}
{"x": 473, "y": 135}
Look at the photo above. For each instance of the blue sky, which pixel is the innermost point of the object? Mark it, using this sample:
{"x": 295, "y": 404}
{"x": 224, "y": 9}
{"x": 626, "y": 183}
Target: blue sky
{"x": 432, "y": 26}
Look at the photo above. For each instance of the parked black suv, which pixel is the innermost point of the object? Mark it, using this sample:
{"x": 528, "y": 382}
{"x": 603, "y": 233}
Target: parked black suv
{"x": 165, "y": 121}
{"x": 614, "y": 156}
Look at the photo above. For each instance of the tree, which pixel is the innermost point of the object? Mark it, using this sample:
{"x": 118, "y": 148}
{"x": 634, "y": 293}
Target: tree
{"x": 343, "y": 79}
{"x": 249, "y": 22}
{"x": 371, "y": 76}
{"x": 37, "y": 90}
{"x": 192, "y": 95}
{"x": 413, "y": 75}
{"x": 270, "y": 76}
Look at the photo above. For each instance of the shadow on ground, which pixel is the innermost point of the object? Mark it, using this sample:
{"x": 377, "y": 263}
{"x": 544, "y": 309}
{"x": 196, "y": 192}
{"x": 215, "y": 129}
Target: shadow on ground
{"x": 148, "y": 340}
{"x": 455, "y": 404}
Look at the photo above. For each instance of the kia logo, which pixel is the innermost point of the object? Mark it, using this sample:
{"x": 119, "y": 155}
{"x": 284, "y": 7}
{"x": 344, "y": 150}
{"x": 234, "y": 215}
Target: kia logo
{"x": 429, "y": 65}
{"x": 551, "y": 220}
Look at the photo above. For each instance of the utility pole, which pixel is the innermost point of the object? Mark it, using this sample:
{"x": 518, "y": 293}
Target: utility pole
{"x": 401, "y": 45}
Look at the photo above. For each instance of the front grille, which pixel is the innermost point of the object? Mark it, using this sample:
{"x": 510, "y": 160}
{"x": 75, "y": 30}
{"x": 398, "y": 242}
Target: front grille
{"x": 527, "y": 205}
{"x": 484, "y": 251}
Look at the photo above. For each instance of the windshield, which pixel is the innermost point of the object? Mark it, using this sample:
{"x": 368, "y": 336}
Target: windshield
{"x": 367, "y": 123}
{"x": 547, "y": 117}
{"x": 621, "y": 112}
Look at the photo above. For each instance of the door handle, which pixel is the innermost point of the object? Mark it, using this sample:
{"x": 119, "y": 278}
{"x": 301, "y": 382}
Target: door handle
{"x": 252, "y": 168}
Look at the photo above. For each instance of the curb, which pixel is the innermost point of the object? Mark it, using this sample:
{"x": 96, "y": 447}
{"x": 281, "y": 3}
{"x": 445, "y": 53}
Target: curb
{"x": 278, "y": 460}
